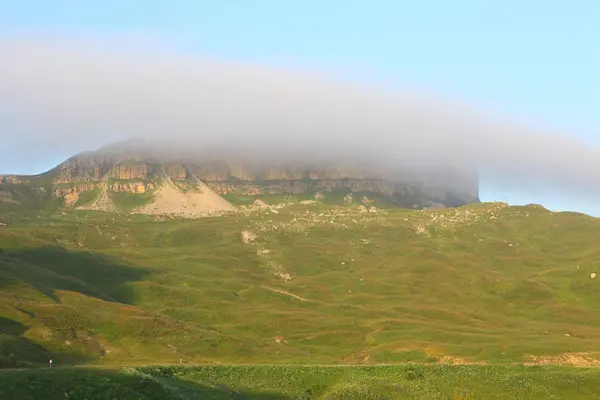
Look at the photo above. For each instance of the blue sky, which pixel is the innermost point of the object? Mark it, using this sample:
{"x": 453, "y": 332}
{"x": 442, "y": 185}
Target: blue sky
{"x": 538, "y": 60}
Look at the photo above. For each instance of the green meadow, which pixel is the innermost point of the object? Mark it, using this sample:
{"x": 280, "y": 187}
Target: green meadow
{"x": 314, "y": 300}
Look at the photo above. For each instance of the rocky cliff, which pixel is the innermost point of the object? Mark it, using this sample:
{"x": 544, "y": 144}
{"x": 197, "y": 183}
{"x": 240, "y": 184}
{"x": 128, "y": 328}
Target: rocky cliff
{"x": 130, "y": 176}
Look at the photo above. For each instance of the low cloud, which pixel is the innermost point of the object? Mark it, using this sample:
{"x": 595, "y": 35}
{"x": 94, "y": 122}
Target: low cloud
{"x": 81, "y": 94}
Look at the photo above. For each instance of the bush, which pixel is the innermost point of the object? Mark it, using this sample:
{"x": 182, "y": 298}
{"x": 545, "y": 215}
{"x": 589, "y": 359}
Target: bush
{"x": 9, "y": 361}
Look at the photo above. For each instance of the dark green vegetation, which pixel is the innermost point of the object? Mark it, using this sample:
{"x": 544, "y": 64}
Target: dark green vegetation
{"x": 337, "y": 196}
{"x": 305, "y": 383}
{"x": 127, "y": 201}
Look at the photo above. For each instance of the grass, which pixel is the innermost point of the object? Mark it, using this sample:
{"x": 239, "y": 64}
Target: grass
{"x": 127, "y": 201}
{"x": 481, "y": 284}
{"x": 305, "y": 383}
{"x": 336, "y": 196}
{"x": 87, "y": 197}
{"x": 246, "y": 200}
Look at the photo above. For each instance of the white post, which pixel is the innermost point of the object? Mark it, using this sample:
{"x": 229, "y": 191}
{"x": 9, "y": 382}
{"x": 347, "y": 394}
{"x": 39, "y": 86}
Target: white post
{"x": 50, "y": 363}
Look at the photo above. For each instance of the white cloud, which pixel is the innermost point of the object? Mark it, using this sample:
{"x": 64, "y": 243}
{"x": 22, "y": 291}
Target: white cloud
{"x": 78, "y": 93}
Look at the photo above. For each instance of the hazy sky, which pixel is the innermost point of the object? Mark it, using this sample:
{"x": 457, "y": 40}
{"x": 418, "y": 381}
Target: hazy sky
{"x": 512, "y": 86}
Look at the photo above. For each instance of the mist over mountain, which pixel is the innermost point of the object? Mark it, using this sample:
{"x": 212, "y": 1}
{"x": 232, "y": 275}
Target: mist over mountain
{"x": 154, "y": 177}
{"x": 72, "y": 93}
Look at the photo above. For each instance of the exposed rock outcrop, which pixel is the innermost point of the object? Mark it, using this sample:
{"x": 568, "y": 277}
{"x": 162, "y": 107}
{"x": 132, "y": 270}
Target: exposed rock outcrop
{"x": 147, "y": 171}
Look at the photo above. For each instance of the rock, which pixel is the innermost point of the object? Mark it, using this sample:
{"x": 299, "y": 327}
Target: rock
{"x": 259, "y": 203}
{"x": 434, "y": 206}
{"x": 130, "y": 171}
{"x": 10, "y": 179}
{"x": 70, "y": 198}
{"x": 176, "y": 172}
{"x": 593, "y": 275}
{"x": 139, "y": 167}
{"x": 284, "y": 276}
{"x": 131, "y": 187}
{"x": 248, "y": 237}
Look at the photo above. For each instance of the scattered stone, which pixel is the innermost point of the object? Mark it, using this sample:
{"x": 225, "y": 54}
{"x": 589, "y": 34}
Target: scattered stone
{"x": 593, "y": 275}
{"x": 248, "y": 237}
{"x": 259, "y": 203}
{"x": 284, "y": 275}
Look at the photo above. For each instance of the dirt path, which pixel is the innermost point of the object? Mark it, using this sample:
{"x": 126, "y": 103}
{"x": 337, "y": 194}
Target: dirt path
{"x": 283, "y": 292}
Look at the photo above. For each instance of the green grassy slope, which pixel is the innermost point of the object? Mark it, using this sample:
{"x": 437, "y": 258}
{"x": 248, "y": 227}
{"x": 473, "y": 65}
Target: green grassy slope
{"x": 305, "y": 383}
{"x": 482, "y": 283}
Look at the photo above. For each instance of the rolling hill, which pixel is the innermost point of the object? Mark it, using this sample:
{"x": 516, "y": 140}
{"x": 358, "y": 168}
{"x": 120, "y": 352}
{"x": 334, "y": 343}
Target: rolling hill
{"x": 301, "y": 283}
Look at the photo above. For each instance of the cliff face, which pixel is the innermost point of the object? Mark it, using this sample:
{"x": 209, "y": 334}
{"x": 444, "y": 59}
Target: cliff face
{"x": 142, "y": 172}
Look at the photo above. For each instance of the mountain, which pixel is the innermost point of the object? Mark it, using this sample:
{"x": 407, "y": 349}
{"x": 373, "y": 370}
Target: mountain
{"x": 311, "y": 280}
{"x": 152, "y": 178}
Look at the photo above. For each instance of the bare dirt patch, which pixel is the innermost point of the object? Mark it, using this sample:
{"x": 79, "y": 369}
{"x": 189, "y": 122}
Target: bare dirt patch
{"x": 170, "y": 200}
{"x": 575, "y": 359}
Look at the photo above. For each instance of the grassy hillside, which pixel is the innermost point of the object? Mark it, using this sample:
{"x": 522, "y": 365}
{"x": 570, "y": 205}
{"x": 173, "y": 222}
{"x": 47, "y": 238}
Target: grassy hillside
{"x": 305, "y": 383}
{"x": 303, "y": 284}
